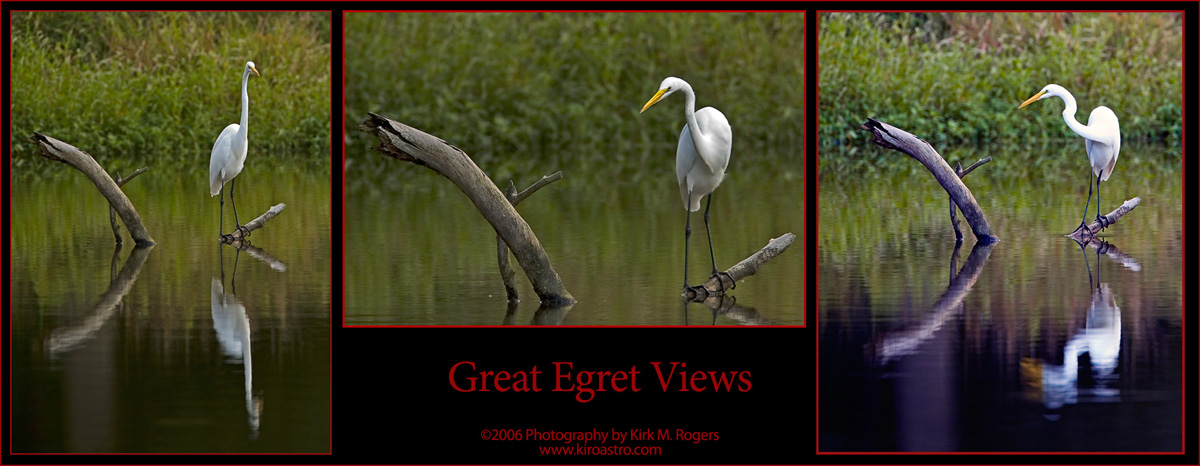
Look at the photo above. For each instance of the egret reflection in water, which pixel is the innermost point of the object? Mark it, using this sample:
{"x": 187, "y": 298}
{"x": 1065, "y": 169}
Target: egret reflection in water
{"x": 1100, "y": 339}
{"x": 232, "y": 326}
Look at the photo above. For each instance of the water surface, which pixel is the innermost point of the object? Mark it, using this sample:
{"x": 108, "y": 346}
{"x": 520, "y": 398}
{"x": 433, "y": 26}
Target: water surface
{"x": 1034, "y": 344}
{"x": 418, "y": 252}
{"x": 188, "y": 346}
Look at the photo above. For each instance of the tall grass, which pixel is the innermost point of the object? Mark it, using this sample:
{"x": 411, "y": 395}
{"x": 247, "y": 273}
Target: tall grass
{"x": 520, "y": 91}
{"x": 158, "y": 87}
{"x": 958, "y": 77}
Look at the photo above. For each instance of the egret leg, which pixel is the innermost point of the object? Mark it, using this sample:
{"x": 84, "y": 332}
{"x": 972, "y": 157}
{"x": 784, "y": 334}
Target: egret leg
{"x": 245, "y": 231}
{"x": 222, "y": 221}
{"x": 687, "y": 235}
{"x": 721, "y": 276}
{"x": 1099, "y": 218}
{"x": 1083, "y": 223}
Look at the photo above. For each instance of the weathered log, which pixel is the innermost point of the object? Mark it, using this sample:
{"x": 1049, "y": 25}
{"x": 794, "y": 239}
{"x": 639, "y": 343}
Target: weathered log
{"x": 54, "y": 149}
{"x": 1083, "y": 235}
{"x": 239, "y": 234}
{"x": 66, "y": 338}
{"x": 894, "y": 138}
{"x": 514, "y": 198}
{"x": 409, "y": 144}
{"x": 717, "y": 284}
{"x": 112, "y": 213}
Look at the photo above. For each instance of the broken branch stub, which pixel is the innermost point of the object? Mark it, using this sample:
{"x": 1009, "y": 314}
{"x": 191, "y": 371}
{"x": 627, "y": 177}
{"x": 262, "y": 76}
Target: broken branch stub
{"x": 894, "y": 138}
{"x": 409, "y": 144}
{"x": 240, "y": 233}
{"x": 514, "y": 198}
{"x": 54, "y": 149}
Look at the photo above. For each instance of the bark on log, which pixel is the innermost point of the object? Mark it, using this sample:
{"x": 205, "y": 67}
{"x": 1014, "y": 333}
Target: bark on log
{"x": 716, "y": 285}
{"x": 409, "y": 144}
{"x": 54, "y": 149}
{"x": 514, "y": 198}
{"x": 894, "y": 138}
{"x": 1083, "y": 235}
{"x": 239, "y": 234}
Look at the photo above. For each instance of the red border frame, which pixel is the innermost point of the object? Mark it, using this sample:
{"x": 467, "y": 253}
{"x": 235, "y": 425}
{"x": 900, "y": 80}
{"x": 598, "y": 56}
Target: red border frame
{"x": 1183, "y": 195}
{"x": 8, "y": 76}
{"x": 804, "y": 222}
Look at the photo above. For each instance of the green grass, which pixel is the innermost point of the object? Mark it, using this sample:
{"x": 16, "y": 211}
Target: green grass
{"x": 157, "y": 88}
{"x": 958, "y": 78}
{"x": 534, "y": 92}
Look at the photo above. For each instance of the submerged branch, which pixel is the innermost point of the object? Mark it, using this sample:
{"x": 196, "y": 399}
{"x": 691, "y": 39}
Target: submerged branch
{"x": 514, "y": 198}
{"x": 717, "y": 284}
{"x": 1083, "y": 235}
{"x": 239, "y": 234}
{"x": 112, "y": 213}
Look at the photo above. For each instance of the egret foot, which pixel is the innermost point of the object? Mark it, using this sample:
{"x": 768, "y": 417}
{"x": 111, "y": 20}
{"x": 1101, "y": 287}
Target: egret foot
{"x": 721, "y": 276}
{"x": 1104, "y": 223}
{"x": 245, "y": 231}
{"x": 697, "y": 291}
{"x": 1083, "y": 226}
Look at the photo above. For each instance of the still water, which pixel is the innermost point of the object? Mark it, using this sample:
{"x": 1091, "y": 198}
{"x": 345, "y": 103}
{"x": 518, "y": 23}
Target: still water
{"x": 1032, "y": 344}
{"x": 419, "y": 253}
{"x": 188, "y": 346}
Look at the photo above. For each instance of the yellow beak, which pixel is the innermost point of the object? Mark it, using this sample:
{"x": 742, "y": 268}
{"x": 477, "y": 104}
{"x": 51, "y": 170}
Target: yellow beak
{"x": 1032, "y": 99}
{"x": 654, "y": 100}
{"x": 255, "y": 71}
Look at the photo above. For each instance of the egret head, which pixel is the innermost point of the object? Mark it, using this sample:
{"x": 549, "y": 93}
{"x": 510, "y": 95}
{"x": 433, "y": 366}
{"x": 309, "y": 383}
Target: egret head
{"x": 250, "y": 68}
{"x": 1051, "y": 90}
{"x": 665, "y": 89}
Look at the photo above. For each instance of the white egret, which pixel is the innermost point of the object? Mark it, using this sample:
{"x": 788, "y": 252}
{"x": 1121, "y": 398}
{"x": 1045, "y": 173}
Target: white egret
{"x": 229, "y": 152}
{"x": 1102, "y": 137}
{"x": 700, "y": 160}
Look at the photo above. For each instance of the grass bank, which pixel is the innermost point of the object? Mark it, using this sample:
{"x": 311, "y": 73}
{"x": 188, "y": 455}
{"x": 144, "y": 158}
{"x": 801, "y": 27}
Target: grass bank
{"x": 526, "y": 92}
{"x": 158, "y": 88}
{"x": 959, "y": 77}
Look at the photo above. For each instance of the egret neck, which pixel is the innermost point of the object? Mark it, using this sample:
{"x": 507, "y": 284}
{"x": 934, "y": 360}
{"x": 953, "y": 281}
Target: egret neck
{"x": 1069, "y": 116}
{"x": 243, "y": 129}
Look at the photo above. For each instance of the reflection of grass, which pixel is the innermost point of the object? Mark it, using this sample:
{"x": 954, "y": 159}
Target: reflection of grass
{"x": 879, "y": 232}
{"x": 626, "y": 234}
{"x": 960, "y": 77}
{"x": 160, "y": 86}
{"x": 520, "y": 91}
{"x": 66, "y": 247}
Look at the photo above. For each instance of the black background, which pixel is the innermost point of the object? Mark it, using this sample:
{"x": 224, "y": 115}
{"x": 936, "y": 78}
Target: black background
{"x": 393, "y": 404}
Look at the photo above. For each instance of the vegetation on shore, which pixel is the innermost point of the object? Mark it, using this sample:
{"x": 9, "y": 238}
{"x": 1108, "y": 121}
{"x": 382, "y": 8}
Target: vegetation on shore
{"x": 531, "y": 92}
{"x": 156, "y": 88}
{"x": 959, "y": 77}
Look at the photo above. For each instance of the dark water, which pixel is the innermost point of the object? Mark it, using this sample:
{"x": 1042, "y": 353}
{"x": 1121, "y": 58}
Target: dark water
{"x": 420, "y": 253}
{"x": 1033, "y": 344}
{"x": 187, "y": 346}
